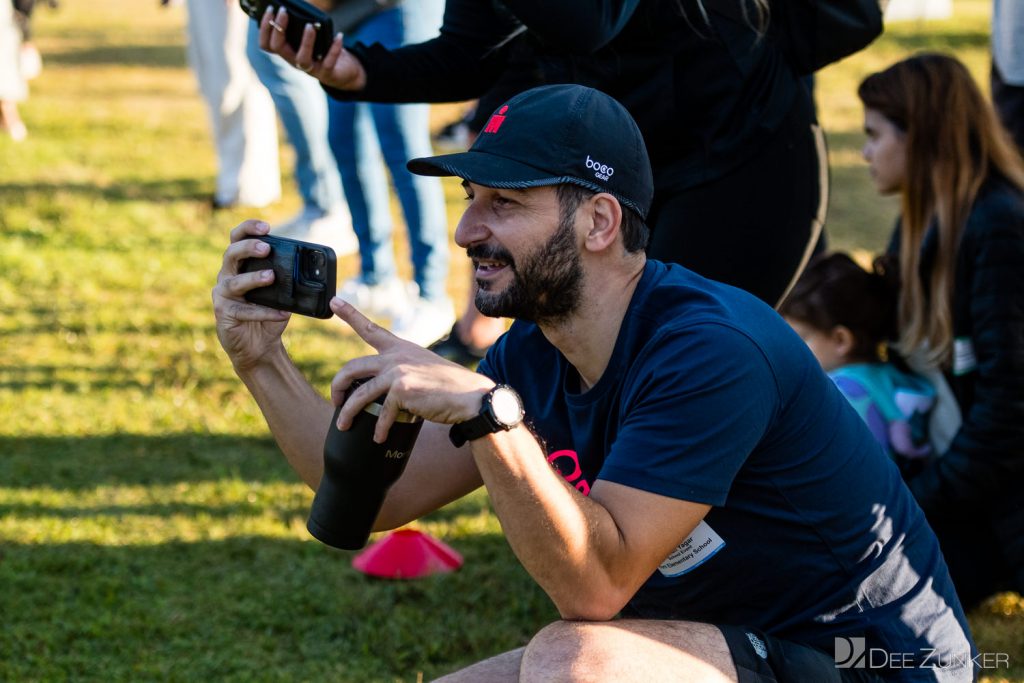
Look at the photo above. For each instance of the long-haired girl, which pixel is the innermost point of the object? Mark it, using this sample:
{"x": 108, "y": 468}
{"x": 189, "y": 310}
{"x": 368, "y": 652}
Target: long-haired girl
{"x": 959, "y": 244}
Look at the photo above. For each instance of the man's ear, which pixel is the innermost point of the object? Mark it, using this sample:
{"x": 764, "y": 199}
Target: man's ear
{"x": 606, "y": 222}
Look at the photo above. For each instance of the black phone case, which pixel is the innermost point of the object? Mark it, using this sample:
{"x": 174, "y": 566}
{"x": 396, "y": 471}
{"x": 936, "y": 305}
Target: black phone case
{"x": 299, "y": 14}
{"x": 293, "y": 289}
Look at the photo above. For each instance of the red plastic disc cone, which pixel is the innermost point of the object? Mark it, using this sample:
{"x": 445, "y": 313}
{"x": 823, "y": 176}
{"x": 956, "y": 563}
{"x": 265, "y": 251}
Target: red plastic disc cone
{"x": 407, "y": 554}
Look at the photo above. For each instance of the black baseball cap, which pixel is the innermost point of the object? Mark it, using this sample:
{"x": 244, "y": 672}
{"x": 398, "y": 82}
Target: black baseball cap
{"x": 551, "y": 135}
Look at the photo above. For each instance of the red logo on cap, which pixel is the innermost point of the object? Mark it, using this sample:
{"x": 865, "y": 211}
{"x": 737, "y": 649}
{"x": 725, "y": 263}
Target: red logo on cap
{"x": 496, "y": 120}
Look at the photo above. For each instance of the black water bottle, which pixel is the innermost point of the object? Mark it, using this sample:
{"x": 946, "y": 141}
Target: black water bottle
{"x": 357, "y": 475}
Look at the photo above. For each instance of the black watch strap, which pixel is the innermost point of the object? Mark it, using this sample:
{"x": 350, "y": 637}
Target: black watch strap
{"x": 485, "y": 422}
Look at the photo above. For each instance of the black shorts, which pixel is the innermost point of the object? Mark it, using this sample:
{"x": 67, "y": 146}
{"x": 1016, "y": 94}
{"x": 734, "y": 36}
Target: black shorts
{"x": 761, "y": 658}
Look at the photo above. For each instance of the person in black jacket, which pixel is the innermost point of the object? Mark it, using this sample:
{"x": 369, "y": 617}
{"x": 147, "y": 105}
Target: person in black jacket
{"x": 959, "y": 246}
{"x": 739, "y": 166}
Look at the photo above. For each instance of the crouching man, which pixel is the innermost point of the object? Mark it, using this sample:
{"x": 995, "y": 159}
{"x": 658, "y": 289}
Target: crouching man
{"x": 665, "y": 455}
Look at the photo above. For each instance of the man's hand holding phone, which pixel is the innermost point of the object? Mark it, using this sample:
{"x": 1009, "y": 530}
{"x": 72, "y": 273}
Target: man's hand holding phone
{"x": 337, "y": 69}
{"x": 248, "y": 332}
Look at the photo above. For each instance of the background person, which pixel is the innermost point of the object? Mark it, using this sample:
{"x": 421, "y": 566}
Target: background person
{"x": 1007, "y": 75}
{"x": 241, "y": 111}
{"x": 959, "y": 246}
{"x": 13, "y": 85}
{"x": 846, "y": 316}
{"x": 679, "y": 399}
{"x": 31, "y": 60}
{"x": 362, "y": 136}
{"x": 302, "y": 106}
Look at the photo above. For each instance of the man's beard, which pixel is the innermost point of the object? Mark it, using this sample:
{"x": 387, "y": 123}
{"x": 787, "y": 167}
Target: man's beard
{"x": 546, "y": 289}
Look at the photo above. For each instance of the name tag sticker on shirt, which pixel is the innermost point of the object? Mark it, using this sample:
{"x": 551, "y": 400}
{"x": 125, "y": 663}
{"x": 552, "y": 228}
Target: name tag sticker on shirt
{"x": 964, "y": 359}
{"x": 702, "y": 544}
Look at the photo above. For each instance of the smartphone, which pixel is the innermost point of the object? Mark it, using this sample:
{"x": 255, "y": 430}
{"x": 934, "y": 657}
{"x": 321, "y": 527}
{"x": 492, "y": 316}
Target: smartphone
{"x": 305, "y": 277}
{"x": 299, "y": 14}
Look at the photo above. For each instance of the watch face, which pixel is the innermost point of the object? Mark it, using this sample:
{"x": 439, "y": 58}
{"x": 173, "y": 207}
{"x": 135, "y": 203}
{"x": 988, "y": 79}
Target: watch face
{"x": 506, "y": 407}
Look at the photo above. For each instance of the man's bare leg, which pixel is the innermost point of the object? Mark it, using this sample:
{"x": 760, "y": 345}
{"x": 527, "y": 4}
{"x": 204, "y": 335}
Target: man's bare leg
{"x": 622, "y": 651}
{"x": 498, "y": 669}
{"x": 628, "y": 650}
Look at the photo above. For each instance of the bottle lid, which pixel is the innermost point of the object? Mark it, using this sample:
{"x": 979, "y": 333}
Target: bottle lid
{"x": 403, "y": 415}
{"x": 374, "y": 408}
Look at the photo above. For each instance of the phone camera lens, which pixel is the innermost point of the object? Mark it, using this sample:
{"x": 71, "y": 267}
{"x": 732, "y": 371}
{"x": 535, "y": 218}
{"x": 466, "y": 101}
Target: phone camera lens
{"x": 312, "y": 264}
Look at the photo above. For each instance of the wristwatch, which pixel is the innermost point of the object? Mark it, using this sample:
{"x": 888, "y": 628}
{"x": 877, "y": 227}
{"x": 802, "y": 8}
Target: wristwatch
{"x": 501, "y": 410}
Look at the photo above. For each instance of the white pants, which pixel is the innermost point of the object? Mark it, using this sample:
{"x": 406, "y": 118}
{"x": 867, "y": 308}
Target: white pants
{"x": 242, "y": 113}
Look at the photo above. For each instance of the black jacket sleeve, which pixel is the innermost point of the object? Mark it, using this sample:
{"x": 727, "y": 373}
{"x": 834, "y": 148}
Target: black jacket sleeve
{"x": 986, "y": 457}
{"x": 472, "y": 50}
{"x": 460, "y": 64}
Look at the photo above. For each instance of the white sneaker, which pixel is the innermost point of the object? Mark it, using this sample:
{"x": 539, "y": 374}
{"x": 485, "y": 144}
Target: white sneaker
{"x": 332, "y": 229}
{"x": 425, "y": 321}
{"x": 17, "y": 131}
{"x": 387, "y": 299}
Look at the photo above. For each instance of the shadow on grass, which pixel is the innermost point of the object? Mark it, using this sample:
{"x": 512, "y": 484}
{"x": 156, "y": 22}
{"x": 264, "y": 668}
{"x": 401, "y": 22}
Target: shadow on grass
{"x": 253, "y": 608}
{"x": 83, "y": 463}
{"x": 55, "y": 319}
{"x": 103, "y": 378}
{"x": 848, "y": 141}
{"x": 951, "y": 41}
{"x": 149, "y": 510}
{"x": 149, "y": 56}
{"x": 155, "y": 191}
{"x": 168, "y": 371}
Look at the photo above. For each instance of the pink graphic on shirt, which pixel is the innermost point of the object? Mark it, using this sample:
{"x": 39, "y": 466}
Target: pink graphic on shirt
{"x": 577, "y": 473}
{"x": 496, "y": 120}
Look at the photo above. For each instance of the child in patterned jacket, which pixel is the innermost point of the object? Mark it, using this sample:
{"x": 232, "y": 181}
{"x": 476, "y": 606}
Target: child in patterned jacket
{"x": 846, "y": 314}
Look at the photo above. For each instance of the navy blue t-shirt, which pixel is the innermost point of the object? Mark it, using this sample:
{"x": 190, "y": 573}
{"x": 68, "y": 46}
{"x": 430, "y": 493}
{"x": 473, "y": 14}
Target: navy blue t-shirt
{"x": 710, "y": 397}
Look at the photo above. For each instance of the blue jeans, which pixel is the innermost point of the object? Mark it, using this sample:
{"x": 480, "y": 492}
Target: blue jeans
{"x": 302, "y": 105}
{"x": 361, "y": 133}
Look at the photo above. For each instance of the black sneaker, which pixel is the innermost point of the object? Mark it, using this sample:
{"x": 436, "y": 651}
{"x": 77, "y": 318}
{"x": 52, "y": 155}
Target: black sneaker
{"x": 452, "y": 348}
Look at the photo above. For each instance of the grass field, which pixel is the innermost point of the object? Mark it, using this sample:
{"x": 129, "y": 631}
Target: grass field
{"x": 149, "y": 529}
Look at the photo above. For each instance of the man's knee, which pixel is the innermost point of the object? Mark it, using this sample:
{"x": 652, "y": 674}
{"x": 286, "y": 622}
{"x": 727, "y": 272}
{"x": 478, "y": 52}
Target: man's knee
{"x": 627, "y": 650}
{"x": 557, "y": 648}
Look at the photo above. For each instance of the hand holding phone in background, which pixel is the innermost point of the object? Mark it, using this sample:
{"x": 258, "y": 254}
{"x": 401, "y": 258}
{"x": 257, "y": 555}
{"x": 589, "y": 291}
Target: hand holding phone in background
{"x": 299, "y": 15}
{"x": 318, "y": 52}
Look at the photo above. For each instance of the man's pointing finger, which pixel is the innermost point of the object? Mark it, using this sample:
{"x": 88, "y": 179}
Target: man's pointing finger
{"x": 369, "y": 331}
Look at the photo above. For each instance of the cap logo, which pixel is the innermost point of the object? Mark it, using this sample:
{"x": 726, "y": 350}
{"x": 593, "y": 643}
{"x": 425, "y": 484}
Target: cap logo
{"x": 494, "y": 123}
{"x": 601, "y": 172}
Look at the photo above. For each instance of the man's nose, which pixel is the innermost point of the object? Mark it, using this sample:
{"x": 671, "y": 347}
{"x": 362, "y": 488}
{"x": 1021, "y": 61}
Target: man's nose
{"x": 470, "y": 230}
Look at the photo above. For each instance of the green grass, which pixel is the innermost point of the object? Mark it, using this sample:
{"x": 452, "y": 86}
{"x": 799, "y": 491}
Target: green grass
{"x": 149, "y": 529}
